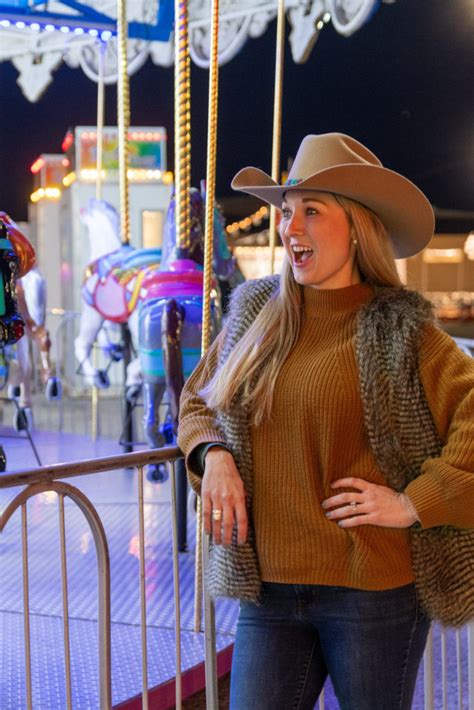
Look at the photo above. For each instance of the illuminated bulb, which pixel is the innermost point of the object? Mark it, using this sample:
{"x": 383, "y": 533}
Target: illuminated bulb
{"x": 78, "y": 31}
{"x": 64, "y": 29}
{"x": 20, "y": 25}
{"x": 320, "y": 25}
{"x": 49, "y": 28}
{"x": 327, "y": 17}
{"x": 35, "y": 27}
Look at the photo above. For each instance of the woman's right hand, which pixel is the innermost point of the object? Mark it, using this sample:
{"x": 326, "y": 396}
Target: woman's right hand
{"x": 223, "y": 489}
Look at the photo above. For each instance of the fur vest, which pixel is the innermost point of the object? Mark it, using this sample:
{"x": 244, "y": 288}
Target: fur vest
{"x": 401, "y": 432}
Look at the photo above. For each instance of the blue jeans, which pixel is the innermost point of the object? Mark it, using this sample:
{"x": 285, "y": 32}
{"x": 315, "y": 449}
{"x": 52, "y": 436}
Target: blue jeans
{"x": 370, "y": 644}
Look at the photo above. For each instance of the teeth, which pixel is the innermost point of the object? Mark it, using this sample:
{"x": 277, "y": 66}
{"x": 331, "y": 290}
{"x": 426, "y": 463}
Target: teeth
{"x": 299, "y": 248}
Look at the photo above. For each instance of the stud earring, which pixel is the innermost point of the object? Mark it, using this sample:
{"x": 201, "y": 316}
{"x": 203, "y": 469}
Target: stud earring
{"x": 355, "y": 242}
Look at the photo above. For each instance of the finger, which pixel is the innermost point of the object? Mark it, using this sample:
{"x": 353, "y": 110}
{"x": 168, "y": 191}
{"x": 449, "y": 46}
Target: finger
{"x": 357, "y": 483}
{"x": 206, "y": 514}
{"x": 342, "y": 499}
{"x": 242, "y": 522}
{"x": 343, "y": 512}
{"x": 227, "y": 524}
{"x": 217, "y": 524}
{"x": 355, "y": 521}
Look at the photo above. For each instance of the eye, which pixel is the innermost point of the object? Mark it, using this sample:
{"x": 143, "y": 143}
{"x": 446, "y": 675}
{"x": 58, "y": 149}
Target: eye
{"x": 310, "y": 211}
{"x": 286, "y": 212}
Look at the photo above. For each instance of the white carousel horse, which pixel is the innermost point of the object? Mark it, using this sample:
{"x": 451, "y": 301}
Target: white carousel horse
{"x": 110, "y": 292}
{"x": 31, "y": 295}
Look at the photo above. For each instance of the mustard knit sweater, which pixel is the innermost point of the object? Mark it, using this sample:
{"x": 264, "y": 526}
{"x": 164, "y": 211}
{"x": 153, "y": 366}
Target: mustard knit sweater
{"x": 316, "y": 435}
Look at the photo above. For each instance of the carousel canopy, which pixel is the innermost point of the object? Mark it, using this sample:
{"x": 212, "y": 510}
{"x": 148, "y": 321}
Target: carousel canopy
{"x": 36, "y": 36}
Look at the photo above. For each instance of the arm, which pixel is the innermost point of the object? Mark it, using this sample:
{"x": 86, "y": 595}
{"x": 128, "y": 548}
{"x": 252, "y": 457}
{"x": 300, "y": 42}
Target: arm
{"x": 197, "y": 423}
{"x": 443, "y": 493}
{"x": 221, "y": 486}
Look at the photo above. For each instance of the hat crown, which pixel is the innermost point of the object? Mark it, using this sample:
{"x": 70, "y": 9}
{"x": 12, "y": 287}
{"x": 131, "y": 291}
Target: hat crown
{"x": 329, "y": 150}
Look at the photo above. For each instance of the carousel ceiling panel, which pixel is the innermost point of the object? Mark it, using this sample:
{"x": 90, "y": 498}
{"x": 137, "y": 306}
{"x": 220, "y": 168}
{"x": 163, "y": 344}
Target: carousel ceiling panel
{"x": 36, "y": 37}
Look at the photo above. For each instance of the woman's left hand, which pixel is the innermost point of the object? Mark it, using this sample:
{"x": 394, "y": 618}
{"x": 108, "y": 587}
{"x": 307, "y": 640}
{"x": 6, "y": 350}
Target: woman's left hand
{"x": 369, "y": 504}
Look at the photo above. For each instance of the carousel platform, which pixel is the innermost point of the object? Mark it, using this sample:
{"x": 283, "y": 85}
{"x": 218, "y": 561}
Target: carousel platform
{"x": 114, "y": 494}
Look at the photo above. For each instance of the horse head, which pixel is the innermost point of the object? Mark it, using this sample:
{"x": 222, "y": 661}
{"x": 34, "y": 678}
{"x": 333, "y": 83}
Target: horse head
{"x": 17, "y": 256}
{"x": 102, "y": 222}
{"x": 194, "y": 248}
{"x": 223, "y": 263}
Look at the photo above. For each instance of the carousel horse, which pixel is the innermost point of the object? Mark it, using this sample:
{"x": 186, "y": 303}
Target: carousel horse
{"x": 17, "y": 257}
{"x": 31, "y": 295}
{"x": 170, "y": 318}
{"x": 110, "y": 292}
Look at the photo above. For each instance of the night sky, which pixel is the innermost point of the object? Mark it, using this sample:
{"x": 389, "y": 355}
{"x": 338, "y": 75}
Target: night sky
{"x": 402, "y": 85}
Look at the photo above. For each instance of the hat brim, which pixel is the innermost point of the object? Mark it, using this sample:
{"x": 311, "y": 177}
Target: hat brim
{"x": 403, "y": 208}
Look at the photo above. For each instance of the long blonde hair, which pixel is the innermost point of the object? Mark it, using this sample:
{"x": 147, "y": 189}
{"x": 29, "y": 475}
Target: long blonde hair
{"x": 251, "y": 370}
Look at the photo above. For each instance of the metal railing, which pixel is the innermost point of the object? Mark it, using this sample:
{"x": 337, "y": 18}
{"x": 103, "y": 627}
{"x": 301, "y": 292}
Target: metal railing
{"x": 45, "y": 479}
{"x": 41, "y": 480}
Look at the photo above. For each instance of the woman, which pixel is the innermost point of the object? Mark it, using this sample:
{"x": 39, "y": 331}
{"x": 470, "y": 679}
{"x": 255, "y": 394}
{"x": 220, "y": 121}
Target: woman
{"x": 329, "y": 432}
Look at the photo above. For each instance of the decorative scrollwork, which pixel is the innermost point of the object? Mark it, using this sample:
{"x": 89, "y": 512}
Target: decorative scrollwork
{"x": 37, "y": 54}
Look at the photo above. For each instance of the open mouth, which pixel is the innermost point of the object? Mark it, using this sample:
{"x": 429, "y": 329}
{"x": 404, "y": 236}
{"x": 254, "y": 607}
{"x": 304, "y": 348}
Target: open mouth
{"x": 301, "y": 254}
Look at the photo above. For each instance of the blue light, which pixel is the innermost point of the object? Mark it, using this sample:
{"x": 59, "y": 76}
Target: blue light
{"x": 93, "y": 33}
{"x": 49, "y": 28}
{"x": 106, "y": 35}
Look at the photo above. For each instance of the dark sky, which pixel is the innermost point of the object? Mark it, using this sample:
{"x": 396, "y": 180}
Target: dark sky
{"x": 402, "y": 85}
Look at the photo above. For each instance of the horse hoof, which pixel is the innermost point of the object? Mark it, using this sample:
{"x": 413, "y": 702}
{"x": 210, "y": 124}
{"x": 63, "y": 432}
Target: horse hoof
{"x": 23, "y": 419}
{"x": 101, "y": 380}
{"x": 14, "y": 391}
{"x": 132, "y": 393}
{"x": 157, "y": 473}
{"x": 3, "y": 460}
{"x": 54, "y": 389}
{"x": 115, "y": 352}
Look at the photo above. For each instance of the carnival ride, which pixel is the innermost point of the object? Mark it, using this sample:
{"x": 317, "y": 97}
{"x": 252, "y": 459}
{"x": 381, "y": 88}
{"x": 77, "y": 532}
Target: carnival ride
{"x": 176, "y": 291}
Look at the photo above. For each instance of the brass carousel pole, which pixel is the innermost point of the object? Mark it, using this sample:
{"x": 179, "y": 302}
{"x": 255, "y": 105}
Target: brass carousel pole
{"x": 98, "y": 196}
{"x": 203, "y": 547}
{"x": 123, "y": 124}
{"x": 277, "y": 109}
{"x": 182, "y": 125}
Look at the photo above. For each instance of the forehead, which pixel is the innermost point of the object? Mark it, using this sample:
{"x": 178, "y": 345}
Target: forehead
{"x": 292, "y": 196}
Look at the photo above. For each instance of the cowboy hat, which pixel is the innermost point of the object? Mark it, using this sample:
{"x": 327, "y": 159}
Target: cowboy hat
{"x": 334, "y": 162}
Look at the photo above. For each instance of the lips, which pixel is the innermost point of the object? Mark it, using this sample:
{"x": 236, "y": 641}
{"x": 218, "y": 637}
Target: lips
{"x": 301, "y": 254}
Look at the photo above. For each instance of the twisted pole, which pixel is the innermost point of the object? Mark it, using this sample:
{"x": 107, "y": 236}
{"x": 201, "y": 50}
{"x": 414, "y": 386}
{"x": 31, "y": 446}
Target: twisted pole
{"x": 123, "y": 120}
{"x": 277, "y": 110}
{"x": 182, "y": 125}
{"x": 206, "y": 314}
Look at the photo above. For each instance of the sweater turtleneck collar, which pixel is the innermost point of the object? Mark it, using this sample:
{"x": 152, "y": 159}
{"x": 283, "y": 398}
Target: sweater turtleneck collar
{"x": 319, "y": 302}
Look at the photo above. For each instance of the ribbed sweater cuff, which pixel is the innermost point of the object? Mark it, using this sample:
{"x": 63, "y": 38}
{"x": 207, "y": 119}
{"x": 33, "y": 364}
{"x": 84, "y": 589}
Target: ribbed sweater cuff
{"x": 429, "y": 499}
{"x": 193, "y": 467}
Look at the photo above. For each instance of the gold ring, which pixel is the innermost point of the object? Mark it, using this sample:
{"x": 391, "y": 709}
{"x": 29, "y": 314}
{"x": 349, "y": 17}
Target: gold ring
{"x": 217, "y": 514}
{"x": 354, "y": 505}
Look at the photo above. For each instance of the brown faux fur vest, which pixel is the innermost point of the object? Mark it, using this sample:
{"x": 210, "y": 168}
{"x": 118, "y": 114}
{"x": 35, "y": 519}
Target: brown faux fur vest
{"x": 401, "y": 432}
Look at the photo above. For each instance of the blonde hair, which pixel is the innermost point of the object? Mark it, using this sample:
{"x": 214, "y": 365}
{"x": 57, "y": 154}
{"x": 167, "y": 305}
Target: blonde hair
{"x": 251, "y": 370}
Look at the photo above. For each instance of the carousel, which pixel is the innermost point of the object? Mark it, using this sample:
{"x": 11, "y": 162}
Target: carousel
{"x": 107, "y": 607}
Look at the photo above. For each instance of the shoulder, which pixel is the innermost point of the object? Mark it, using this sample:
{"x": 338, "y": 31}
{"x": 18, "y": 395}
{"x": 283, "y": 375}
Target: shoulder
{"x": 397, "y": 311}
{"x": 438, "y": 347}
{"x": 254, "y": 293}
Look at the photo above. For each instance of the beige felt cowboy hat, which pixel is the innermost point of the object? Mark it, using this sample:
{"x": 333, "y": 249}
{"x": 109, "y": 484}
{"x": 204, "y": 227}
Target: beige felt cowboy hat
{"x": 336, "y": 163}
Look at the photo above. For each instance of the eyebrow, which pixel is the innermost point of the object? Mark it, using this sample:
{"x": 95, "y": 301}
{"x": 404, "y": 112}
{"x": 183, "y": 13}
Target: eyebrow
{"x": 309, "y": 199}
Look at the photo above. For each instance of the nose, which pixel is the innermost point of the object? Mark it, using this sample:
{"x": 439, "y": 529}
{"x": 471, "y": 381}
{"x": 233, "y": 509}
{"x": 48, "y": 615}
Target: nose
{"x": 295, "y": 224}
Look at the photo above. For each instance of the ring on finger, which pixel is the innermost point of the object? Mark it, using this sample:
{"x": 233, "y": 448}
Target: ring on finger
{"x": 216, "y": 514}
{"x": 353, "y": 505}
